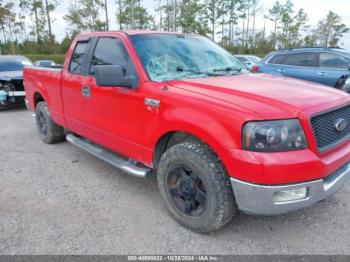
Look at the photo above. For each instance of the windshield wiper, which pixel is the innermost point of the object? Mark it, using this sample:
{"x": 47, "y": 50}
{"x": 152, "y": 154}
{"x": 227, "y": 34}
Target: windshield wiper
{"x": 228, "y": 69}
{"x": 181, "y": 69}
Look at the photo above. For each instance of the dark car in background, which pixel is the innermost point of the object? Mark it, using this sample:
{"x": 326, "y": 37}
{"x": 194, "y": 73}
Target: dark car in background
{"x": 47, "y": 63}
{"x": 11, "y": 79}
{"x": 328, "y": 66}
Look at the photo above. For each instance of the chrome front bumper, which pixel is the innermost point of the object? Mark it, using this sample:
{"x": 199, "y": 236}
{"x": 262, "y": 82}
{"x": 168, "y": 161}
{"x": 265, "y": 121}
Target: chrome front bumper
{"x": 259, "y": 199}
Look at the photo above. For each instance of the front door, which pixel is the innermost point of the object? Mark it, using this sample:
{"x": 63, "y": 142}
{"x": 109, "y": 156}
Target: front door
{"x": 115, "y": 113}
{"x": 73, "y": 83}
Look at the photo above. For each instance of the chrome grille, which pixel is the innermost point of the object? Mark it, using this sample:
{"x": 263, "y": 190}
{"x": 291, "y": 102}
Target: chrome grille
{"x": 324, "y": 128}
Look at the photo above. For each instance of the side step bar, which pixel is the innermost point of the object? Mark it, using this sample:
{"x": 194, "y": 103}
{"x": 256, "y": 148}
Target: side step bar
{"x": 128, "y": 166}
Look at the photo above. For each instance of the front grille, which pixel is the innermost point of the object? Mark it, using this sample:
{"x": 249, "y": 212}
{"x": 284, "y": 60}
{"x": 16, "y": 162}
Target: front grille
{"x": 12, "y": 85}
{"x": 324, "y": 128}
{"x": 18, "y": 85}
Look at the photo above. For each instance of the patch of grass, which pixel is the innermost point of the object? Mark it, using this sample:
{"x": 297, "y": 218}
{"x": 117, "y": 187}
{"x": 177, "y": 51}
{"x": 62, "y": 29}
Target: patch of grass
{"x": 58, "y": 58}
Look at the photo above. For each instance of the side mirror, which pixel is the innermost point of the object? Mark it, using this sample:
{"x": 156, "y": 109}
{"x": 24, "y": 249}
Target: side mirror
{"x": 247, "y": 62}
{"x": 114, "y": 75}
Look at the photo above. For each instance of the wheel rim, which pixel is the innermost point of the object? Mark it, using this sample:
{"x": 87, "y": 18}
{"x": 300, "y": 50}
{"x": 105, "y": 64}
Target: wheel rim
{"x": 42, "y": 124}
{"x": 187, "y": 191}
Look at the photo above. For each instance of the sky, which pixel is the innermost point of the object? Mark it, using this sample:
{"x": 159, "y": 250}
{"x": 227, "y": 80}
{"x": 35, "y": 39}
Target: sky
{"x": 316, "y": 10}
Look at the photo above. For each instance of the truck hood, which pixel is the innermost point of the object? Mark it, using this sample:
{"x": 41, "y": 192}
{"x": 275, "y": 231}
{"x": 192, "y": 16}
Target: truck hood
{"x": 266, "y": 95}
{"x": 11, "y": 75}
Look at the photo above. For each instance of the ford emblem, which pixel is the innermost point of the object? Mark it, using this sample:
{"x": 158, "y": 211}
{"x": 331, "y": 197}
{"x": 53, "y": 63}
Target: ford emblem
{"x": 340, "y": 124}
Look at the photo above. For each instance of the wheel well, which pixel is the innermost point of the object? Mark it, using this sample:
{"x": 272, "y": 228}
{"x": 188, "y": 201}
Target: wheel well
{"x": 168, "y": 140}
{"x": 37, "y": 98}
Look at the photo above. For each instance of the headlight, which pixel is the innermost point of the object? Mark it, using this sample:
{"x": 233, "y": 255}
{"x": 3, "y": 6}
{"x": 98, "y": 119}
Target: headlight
{"x": 273, "y": 136}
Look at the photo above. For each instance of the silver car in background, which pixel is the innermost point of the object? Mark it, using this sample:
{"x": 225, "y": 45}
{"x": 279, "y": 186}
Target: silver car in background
{"x": 47, "y": 63}
{"x": 248, "y": 60}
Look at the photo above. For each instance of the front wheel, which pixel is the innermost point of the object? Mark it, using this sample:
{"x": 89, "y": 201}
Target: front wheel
{"x": 195, "y": 187}
{"x": 49, "y": 132}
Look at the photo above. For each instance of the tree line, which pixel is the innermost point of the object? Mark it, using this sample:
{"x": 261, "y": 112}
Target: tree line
{"x": 26, "y": 25}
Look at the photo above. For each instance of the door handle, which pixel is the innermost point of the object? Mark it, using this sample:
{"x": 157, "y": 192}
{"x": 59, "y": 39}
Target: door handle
{"x": 280, "y": 70}
{"x": 321, "y": 73}
{"x": 85, "y": 91}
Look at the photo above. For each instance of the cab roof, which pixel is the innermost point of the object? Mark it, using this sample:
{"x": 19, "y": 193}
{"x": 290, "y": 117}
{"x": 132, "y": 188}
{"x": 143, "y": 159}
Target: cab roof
{"x": 129, "y": 32}
{"x": 143, "y": 32}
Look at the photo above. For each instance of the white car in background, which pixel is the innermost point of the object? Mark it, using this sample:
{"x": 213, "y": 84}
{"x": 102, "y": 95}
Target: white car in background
{"x": 47, "y": 63}
{"x": 248, "y": 60}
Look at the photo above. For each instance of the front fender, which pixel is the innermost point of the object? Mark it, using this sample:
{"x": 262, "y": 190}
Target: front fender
{"x": 200, "y": 124}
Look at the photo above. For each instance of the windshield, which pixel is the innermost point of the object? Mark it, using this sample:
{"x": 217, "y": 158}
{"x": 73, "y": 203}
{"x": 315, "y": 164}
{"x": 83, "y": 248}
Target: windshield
{"x": 170, "y": 56}
{"x": 13, "y": 64}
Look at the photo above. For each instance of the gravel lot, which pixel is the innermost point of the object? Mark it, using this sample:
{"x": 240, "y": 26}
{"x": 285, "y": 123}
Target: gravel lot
{"x": 57, "y": 199}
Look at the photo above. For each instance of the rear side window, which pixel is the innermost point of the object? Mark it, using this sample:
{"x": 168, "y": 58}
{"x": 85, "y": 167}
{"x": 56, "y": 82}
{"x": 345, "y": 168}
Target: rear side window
{"x": 76, "y": 62}
{"x": 111, "y": 51}
{"x": 277, "y": 59}
{"x": 301, "y": 59}
{"x": 328, "y": 60}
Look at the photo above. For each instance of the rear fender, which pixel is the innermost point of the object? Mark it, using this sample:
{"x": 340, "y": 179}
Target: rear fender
{"x": 39, "y": 88}
{"x": 33, "y": 86}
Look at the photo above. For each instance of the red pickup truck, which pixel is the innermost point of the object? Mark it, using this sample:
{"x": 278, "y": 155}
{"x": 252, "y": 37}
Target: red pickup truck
{"x": 219, "y": 138}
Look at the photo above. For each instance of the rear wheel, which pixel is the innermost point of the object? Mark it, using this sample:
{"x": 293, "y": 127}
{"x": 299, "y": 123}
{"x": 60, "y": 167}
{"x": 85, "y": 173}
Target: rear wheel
{"x": 195, "y": 187}
{"x": 49, "y": 132}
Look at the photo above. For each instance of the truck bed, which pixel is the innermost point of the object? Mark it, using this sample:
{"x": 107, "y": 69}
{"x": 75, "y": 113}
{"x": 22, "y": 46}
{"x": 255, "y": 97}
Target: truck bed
{"x": 48, "y": 82}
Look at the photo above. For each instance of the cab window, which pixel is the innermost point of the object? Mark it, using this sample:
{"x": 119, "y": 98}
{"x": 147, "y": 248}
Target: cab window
{"x": 111, "y": 51}
{"x": 76, "y": 62}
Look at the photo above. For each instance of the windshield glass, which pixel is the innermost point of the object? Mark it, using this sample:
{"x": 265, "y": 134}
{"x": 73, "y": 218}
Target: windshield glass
{"x": 170, "y": 56}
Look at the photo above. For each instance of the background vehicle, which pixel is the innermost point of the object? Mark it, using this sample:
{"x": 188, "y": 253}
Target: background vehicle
{"x": 47, "y": 63}
{"x": 248, "y": 60}
{"x": 11, "y": 75}
{"x": 218, "y": 137}
{"x": 346, "y": 86}
{"x": 328, "y": 66}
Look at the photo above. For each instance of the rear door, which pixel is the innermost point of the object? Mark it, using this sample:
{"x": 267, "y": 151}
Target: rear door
{"x": 332, "y": 67}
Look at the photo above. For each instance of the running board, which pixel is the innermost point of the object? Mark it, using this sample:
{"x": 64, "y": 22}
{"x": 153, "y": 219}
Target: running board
{"x": 128, "y": 166}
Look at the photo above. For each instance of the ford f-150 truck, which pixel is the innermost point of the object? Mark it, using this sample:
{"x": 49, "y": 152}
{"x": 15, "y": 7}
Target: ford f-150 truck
{"x": 218, "y": 138}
